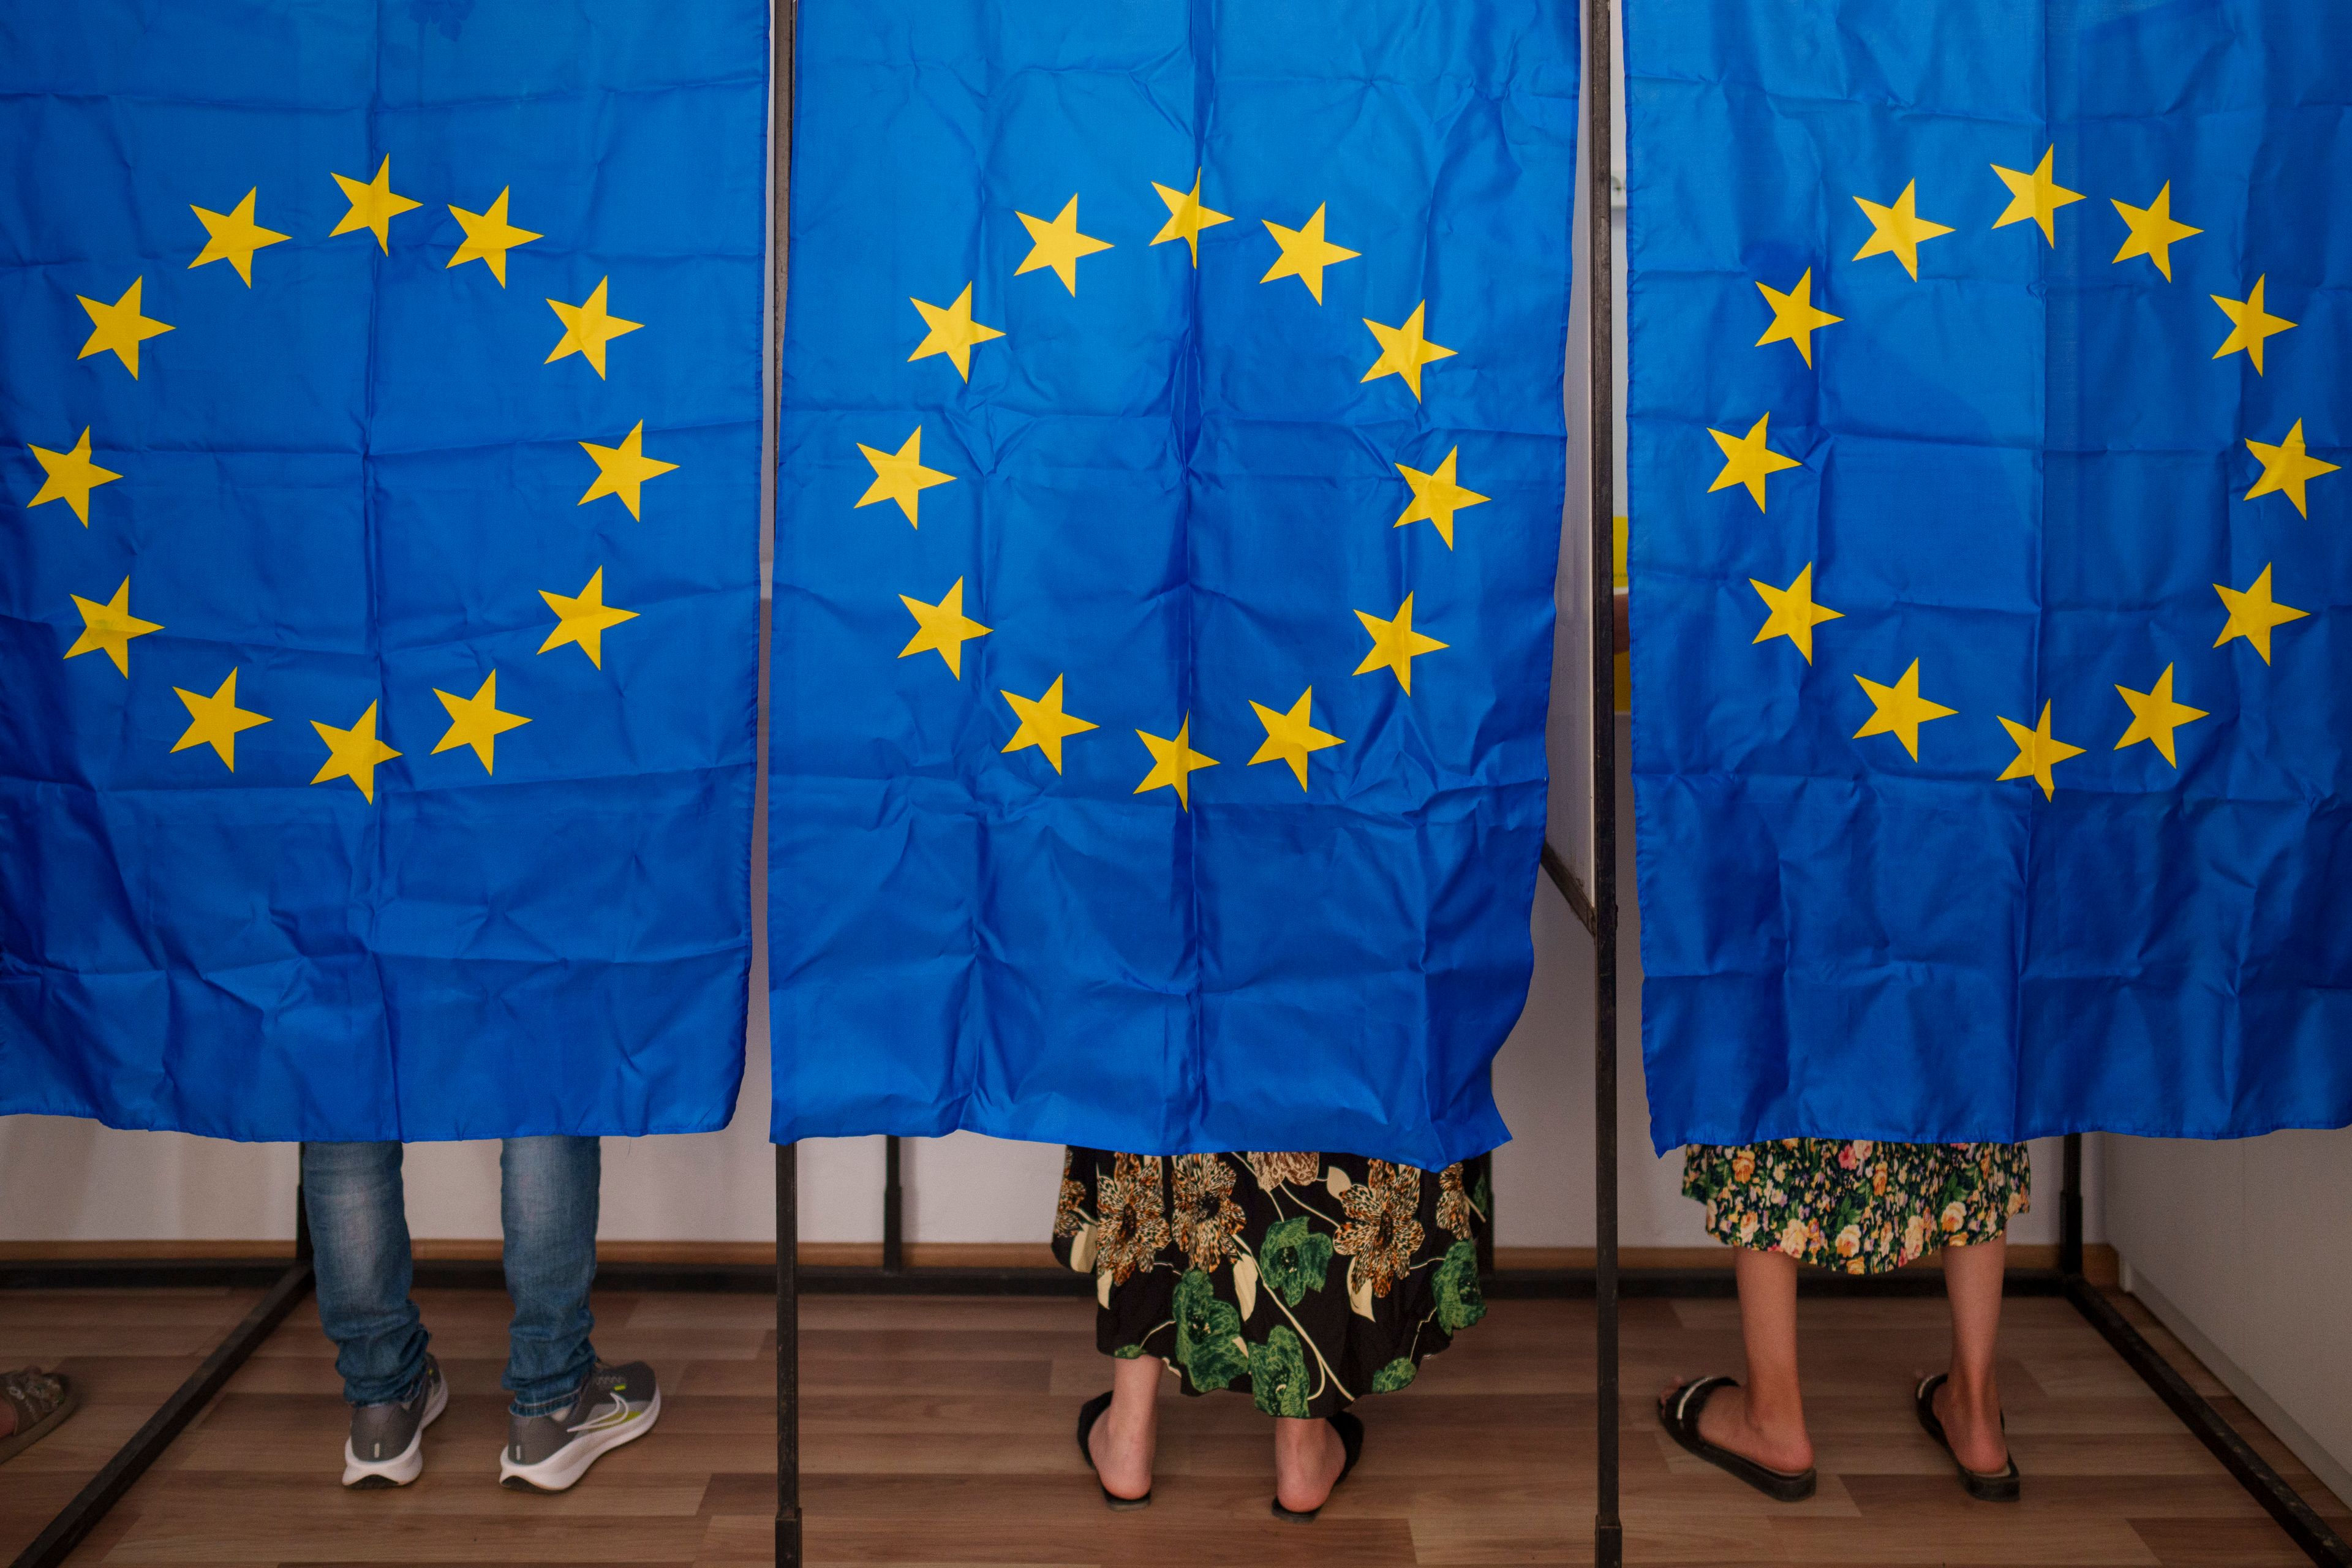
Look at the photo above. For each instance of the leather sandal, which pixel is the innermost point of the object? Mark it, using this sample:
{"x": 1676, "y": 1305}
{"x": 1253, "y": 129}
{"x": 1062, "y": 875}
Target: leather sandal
{"x": 1985, "y": 1486}
{"x": 1089, "y": 1414}
{"x": 41, "y": 1400}
{"x": 1350, "y": 1428}
{"x": 1678, "y": 1413}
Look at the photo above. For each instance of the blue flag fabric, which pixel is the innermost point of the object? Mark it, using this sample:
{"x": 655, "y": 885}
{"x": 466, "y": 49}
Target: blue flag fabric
{"x": 1990, "y": 565}
{"x": 379, "y": 503}
{"x": 1171, "y": 467}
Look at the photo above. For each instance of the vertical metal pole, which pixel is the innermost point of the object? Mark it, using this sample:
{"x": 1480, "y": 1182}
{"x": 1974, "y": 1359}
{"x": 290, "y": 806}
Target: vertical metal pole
{"x": 301, "y": 1210}
{"x": 788, "y": 1357}
{"x": 2070, "y": 1208}
{"x": 893, "y": 1216}
{"x": 784, "y": 24}
{"x": 1483, "y": 1169}
{"x": 1608, "y": 1532}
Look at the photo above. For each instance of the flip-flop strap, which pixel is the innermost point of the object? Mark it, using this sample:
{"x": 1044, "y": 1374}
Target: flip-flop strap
{"x": 1685, "y": 1416}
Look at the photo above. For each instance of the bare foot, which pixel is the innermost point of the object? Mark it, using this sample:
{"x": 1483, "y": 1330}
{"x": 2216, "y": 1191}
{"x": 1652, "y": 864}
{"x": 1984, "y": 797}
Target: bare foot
{"x": 1308, "y": 1458}
{"x": 1727, "y": 1421}
{"x": 1972, "y": 1425}
{"x": 1121, "y": 1446}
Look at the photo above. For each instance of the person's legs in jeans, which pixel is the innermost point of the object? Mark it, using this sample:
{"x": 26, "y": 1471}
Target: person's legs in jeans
{"x": 549, "y": 1195}
{"x": 359, "y": 1238}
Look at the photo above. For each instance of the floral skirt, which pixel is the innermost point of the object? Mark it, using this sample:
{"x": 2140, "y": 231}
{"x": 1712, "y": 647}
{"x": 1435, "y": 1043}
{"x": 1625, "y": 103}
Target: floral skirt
{"x": 1858, "y": 1206}
{"x": 1306, "y": 1280}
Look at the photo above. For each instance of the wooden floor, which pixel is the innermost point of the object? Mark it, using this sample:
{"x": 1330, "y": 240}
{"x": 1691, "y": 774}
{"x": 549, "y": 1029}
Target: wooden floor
{"x": 937, "y": 1431}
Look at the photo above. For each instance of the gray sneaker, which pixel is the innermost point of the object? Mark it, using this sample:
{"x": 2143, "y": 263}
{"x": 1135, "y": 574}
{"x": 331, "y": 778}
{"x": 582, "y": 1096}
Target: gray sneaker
{"x": 386, "y": 1448}
{"x": 617, "y": 1405}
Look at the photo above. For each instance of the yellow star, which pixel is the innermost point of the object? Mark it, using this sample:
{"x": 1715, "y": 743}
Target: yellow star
{"x": 489, "y": 237}
{"x": 119, "y": 327}
{"x": 1289, "y": 737}
{"x": 1794, "y": 319}
{"x": 1058, "y": 244}
{"x": 1794, "y": 615}
{"x": 476, "y": 721}
{"x": 1304, "y": 253}
{"x": 1395, "y": 644}
{"x": 2155, "y": 715}
{"x": 2036, "y": 195}
{"x": 2153, "y": 231}
{"x": 621, "y": 471}
{"x": 2252, "y": 613}
{"x": 374, "y": 206}
{"x": 2287, "y": 468}
{"x": 353, "y": 753}
{"x": 1173, "y": 762}
{"x": 1899, "y": 230}
{"x": 900, "y": 476}
{"x": 587, "y": 328}
{"x": 235, "y": 237}
{"x": 1404, "y": 350}
{"x": 583, "y": 618}
{"x": 1899, "y": 709}
{"x": 2249, "y": 324}
{"x": 953, "y": 332}
{"x": 216, "y": 720}
{"x": 2037, "y": 753}
{"x": 111, "y": 626}
{"x": 1436, "y": 498}
{"x": 1044, "y": 725}
{"x": 942, "y": 628}
{"x": 72, "y": 476}
{"x": 1747, "y": 459}
{"x": 1186, "y": 217}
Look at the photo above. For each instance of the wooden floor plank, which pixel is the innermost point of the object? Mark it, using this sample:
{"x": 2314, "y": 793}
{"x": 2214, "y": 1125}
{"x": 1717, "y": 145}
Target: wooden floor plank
{"x": 939, "y": 1431}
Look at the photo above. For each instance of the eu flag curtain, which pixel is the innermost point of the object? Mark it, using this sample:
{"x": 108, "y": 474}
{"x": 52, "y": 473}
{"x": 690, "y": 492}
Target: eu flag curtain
{"x": 1170, "y": 478}
{"x": 379, "y": 490}
{"x": 1990, "y": 565}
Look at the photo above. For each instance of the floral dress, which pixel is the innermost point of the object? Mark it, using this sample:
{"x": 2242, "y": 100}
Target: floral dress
{"x": 1306, "y": 1280}
{"x": 1858, "y": 1206}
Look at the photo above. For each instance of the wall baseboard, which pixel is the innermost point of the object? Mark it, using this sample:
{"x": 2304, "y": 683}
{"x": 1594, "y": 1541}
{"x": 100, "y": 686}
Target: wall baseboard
{"x": 2098, "y": 1258}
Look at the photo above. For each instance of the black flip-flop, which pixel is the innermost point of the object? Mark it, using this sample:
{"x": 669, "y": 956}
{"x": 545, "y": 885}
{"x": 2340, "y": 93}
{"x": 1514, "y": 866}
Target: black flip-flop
{"x": 1089, "y": 1414}
{"x": 1678, "y": 1413}
{"x": 1350, "y": 1428}
{"x": 1985, "y": 1486}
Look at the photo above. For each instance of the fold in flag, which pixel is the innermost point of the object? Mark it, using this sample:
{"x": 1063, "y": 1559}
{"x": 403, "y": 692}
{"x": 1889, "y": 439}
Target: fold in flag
{"x": 1169, "y": 484}
{"x": 1989, "y": 556}
{"x": 379, "y": 506}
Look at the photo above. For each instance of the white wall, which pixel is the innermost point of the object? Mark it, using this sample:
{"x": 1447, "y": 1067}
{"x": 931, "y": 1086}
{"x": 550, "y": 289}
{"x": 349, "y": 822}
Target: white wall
{"x": 2244, "y": 1249}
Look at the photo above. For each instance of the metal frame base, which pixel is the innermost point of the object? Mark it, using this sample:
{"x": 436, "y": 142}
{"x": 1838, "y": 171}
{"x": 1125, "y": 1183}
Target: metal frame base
{"x": 81, "y": 1515}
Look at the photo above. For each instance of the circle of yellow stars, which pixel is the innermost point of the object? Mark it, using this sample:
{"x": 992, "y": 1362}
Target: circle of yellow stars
{"x": 119, "y": 328}
{"x": 1057, "y": 246}
{"x": 1898, "y": 229}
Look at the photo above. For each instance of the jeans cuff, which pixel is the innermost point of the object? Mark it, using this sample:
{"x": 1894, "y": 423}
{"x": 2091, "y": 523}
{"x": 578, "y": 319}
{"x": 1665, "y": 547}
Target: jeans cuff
{"x": 555, "y": 1407}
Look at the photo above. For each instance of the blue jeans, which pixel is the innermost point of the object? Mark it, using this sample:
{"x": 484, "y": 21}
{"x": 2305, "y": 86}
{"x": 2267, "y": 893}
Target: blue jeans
{"x": 359, "y": 1238}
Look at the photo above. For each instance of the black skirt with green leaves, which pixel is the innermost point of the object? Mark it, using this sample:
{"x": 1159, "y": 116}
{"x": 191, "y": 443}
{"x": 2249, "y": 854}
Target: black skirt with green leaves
{"x": 1306, "y": 1280}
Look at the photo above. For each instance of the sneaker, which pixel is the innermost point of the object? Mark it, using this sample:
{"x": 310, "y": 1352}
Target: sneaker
{"x": 617, "y": 1405}
{"x": 386, "y": 1448}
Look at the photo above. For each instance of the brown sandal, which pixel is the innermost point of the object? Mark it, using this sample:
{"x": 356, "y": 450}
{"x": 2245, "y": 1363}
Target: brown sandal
{"x": 41, "y": 1400}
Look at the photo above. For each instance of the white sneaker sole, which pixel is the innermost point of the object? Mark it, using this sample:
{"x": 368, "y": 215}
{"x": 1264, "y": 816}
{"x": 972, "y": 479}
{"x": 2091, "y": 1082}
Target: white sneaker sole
{"x": 561, "y": 1470}
{"x": 404, "y": 1467}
